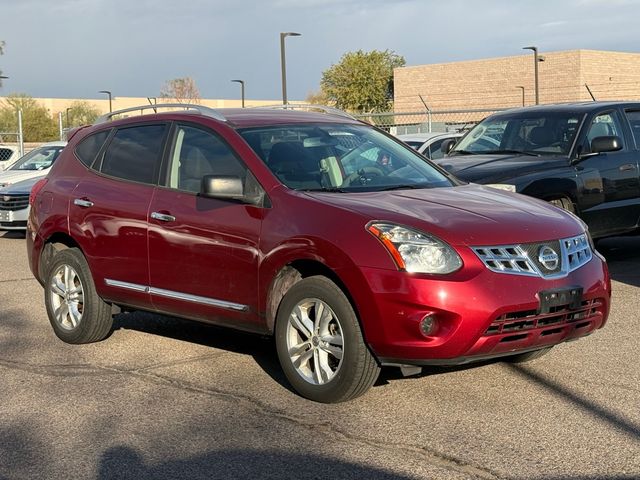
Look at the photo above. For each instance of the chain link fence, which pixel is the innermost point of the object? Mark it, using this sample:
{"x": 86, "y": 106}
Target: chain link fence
{"x": 399, "y": 123}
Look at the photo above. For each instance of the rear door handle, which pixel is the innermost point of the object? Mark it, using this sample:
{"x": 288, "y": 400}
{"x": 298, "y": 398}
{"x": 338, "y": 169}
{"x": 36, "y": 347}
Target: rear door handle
{"x": 83, "y": 202}
{"x": 163, "y": 217}
{"x": 626, "y": 167}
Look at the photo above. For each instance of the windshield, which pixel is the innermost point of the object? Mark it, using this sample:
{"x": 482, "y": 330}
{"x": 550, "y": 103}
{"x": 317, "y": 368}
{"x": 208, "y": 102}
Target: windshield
{"x": 528, "y": 132}
{"x": 38, "y": 159}
{"x": 341, "y": 158}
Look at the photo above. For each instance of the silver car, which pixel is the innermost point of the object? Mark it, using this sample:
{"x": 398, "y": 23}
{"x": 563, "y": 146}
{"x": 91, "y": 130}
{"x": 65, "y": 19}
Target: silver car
{"x": 14, "y": 204}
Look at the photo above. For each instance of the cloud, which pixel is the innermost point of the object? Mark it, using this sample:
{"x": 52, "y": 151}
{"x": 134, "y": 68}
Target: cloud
{"x": 556, "y": 23}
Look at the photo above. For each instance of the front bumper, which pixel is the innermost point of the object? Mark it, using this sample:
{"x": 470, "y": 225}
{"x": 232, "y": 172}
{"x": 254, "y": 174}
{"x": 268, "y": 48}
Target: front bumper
{"x": 14, "y": 219}
{"x": 479, "y": 314}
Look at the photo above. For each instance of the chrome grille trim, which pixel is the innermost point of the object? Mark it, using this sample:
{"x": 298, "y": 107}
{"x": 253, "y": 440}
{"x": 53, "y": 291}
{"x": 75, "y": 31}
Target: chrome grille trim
{"x": 516, "y": 259}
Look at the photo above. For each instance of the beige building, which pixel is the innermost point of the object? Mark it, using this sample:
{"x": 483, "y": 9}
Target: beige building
{"x": 496, "y": 82}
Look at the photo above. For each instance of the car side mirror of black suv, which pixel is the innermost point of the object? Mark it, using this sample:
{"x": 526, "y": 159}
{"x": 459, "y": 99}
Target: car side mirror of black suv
{"x": 224, "y": 187}
{"x": 447, "y": 145}
{"x": 606, "y": 144}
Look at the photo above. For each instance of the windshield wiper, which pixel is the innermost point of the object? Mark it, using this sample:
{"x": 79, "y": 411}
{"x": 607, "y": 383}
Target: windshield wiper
{"x": 402, "y": 187}
{"x": 453, "y": 153}
{"x": 323, "y": 189}
{"x": 507, "y": 152}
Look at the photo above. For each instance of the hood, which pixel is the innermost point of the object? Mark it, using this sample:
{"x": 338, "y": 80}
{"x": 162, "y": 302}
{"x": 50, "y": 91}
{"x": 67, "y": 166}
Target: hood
{"x": 470, "y": 215}
{"x": 21, "y": 188}
{"x": 9, "y": 177}
{"x": 494, "y": 168}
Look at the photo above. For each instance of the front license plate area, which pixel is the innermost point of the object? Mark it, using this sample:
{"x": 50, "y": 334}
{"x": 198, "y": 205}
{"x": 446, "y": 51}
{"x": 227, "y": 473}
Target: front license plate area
{"x": 570, "y": 297}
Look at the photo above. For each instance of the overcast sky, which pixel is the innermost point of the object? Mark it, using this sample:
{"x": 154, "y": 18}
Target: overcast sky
{"x": 74, "y": 48}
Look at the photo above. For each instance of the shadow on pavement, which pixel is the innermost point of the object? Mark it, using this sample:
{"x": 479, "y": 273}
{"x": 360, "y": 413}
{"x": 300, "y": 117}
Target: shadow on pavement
{"x": 17, "y": 234}
{"x": 125, "y": 463}
{"x": 623, "y": 258}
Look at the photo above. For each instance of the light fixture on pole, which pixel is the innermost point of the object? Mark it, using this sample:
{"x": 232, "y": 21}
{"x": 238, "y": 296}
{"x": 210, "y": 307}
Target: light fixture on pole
{"x": 521, "y": 88}
{"x": 68, "y": 124}
{"x": 241, "y": 82}
{"x": 283, "y": 64}
{"x": 535, "y": 71}
{"x": 107, "y": 92}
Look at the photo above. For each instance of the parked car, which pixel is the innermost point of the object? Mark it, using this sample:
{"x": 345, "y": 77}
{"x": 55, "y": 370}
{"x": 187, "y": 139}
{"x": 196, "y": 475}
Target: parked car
{"x": 36, "y": 163}
{"x": 14, "y": 204}
{"x": 8, "y": 155}
{"x": 428, "y": 144}
{"x": 287, "y": 223}
{"x": 582, "y": 157}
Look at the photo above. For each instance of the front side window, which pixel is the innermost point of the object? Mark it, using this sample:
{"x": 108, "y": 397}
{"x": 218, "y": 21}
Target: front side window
{"x": 197, "y": 153}
{"x": 341, "y": 157}
{"x": 38, "y": 159}
{"x": 604, "y": 125}
{"x": 532, "y": 132}
{"x": 134, "y": 153}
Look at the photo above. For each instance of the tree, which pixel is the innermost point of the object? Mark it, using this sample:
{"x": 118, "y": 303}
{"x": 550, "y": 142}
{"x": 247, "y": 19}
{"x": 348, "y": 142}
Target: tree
{"x": 81, "y": 112}
{"x": 182, "y": 90}
{"x": 318, "y": 98}
{"x": 37, "y": 124}
{"x": 362, "y": 81}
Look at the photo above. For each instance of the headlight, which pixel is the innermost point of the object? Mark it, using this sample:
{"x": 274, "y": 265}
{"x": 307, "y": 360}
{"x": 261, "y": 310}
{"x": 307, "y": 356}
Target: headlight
{"x": 415, "y": 251}
{"x": 502, "y": 186}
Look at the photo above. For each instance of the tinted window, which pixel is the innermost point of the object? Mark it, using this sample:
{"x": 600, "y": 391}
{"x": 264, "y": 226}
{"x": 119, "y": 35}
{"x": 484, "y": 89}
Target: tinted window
{"x": 88, "y": 148}
{"x": 197, "y": 153}
{"x": 603, "y": 125}
{"x": 134, "y": 153}
{"x": 634, "y": 123}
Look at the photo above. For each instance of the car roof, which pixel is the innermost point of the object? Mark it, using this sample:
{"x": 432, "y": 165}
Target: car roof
{"x": 423, "y": 137}
{"x": 53, "y": 144}
{"x": 578, "y": 107}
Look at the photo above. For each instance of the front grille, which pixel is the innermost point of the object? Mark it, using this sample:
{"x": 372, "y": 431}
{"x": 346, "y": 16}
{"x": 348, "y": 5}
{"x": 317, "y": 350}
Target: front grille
{"x": 552, "y": 259}
{"x": 14, "y": 202}
{"x": 559, "y": 316}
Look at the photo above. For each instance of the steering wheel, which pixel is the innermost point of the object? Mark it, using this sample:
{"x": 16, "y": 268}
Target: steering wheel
{"x": 363, "y": 176}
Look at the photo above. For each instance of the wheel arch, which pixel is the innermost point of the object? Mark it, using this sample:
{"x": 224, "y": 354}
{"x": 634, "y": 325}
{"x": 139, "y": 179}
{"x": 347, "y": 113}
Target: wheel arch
{"x": 55, "y": 243}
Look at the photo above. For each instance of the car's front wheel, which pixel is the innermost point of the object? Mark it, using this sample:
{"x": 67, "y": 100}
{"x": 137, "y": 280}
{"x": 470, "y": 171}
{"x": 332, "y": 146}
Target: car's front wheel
{"x": 76, "y": 312}
{"x": 320, "y": 344}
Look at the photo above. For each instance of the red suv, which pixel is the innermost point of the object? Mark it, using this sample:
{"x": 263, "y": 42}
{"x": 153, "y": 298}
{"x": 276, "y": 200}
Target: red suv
{"x": 313, "y": 227}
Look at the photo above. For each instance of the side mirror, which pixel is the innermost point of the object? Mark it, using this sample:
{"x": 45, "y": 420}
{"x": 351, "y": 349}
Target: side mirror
{"x": 606, "y": 144}
{"x": 447, "y": 145}
{"x": 224, "y": 187}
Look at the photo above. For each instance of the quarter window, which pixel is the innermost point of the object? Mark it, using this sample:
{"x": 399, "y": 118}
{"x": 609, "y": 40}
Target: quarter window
{"x": 197, "y": 153}
{"x": 88, "y": 149}
{"x": 134, "y": 153}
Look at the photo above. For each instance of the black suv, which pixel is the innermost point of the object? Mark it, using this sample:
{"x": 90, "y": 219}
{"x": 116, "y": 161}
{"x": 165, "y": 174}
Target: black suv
{"x": 582, "y": 157}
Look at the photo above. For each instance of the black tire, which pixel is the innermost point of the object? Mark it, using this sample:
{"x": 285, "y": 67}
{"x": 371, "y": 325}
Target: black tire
{"x": 347, "y": 377}
{"x": 564, "y": 203}
{"x": 527, "y": 356}
{"x": 74, "y": 318}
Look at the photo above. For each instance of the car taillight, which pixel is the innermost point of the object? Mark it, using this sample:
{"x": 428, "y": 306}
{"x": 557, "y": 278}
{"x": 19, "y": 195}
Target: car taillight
{"x": 36, "y": 189}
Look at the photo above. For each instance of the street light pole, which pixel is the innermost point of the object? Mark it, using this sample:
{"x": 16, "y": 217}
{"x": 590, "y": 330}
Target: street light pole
{"x": 108, "y": 93}
{"x": 241, "y": 82}
{"x": 522, "y": 88}
{"x": 68, "y": 124}
{"x": 535, "y": 62}
{"x": 283, "y": 65}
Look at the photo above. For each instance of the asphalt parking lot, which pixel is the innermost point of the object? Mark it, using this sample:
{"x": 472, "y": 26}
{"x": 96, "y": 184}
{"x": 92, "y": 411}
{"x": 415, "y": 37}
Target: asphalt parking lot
{"x": 163, "y": 398}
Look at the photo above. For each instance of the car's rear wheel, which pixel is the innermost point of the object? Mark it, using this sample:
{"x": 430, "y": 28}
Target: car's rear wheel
{"x": 76, "y": 312}
{"x": 320, "y": 344}
{"x": 527, "y": 356}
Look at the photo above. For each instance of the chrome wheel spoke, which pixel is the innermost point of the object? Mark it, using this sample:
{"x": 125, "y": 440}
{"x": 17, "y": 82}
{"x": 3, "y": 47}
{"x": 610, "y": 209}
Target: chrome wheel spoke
{"x": 74, "y": 314}
{"x": 332, "y": 339}
{"x": 61, "y": 312}
{"x": 302, "y": 322}
{"x": 299, "y": 349}
{"x": 323, "y": 317}
{"x": 335, "y": 351}
{"x": 58, "y": 287}
{"x": 69, "y": 275}
{"x": 303, "y": 359}
{"x": 323, "y": 370}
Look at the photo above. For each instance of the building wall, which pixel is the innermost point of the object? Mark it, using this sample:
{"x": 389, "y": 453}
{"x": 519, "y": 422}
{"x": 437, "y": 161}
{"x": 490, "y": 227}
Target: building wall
{"x": 493, "y": 83}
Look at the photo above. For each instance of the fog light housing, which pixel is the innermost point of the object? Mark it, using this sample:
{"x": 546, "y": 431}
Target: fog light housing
{"x": 428, "y": 324}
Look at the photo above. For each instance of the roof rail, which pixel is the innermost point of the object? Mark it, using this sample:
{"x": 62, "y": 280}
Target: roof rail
{"x": 209, "y": 112}
{"x": 309, "y": 106}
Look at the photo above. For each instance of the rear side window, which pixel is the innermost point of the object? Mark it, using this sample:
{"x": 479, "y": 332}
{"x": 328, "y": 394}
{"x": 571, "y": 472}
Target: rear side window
{"x": 88, "y": 149}
{"x": 134, "y": 153}
{"x": 634, "y": 122}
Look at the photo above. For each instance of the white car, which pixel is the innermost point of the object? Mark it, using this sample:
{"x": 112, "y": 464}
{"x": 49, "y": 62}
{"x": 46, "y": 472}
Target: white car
{"x": 428, "y": 144}
{"x": 14, "y": 204}
{"x": 36, "y": 163}
{"x": 8, "y": 155}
